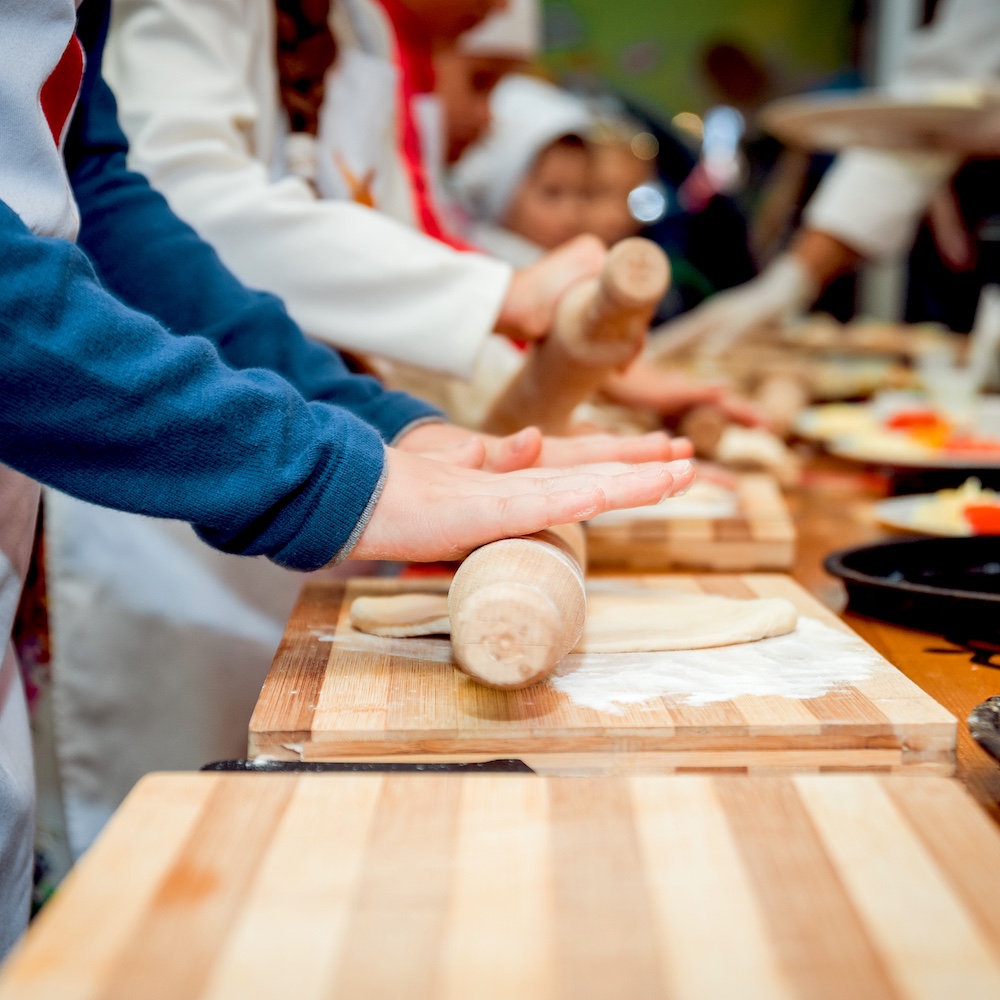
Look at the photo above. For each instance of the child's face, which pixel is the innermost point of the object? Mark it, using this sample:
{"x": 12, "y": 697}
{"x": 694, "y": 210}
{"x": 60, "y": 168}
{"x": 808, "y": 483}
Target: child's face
{"x": 615, "y": 171}
{"x": 548, "y": 208}
{"x": 464, "y": 84}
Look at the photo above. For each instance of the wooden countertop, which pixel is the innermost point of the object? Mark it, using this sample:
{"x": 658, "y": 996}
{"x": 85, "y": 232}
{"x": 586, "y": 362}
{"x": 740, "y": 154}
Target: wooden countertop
{"x": 452, "y": 887}
{"x": 832, "y": 511}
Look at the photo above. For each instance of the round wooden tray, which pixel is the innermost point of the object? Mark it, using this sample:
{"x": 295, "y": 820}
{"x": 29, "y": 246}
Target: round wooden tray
{"x": 832, "y": 122}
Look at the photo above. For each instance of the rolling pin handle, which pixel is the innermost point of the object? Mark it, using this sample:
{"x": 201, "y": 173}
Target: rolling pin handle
{"x": 600, "y": 326}
{"x": 509, "y": 635}
{"x": 518, "y": 606}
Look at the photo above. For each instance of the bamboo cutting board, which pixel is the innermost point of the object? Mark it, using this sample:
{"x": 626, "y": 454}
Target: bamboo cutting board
{"x": 759, "y": 536}
{"x": 378, "y": 887}
{"x": 328, "y": 696}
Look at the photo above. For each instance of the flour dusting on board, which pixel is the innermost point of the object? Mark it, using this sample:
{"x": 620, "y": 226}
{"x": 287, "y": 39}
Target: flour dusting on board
{"x": 806, "y": 663}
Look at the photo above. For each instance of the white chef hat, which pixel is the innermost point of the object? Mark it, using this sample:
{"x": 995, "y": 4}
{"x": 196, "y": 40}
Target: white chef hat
{"x": 528, "y": 114}
{"x": 514, "y": 32}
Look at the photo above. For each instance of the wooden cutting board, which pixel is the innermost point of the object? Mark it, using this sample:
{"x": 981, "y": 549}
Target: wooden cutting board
{"x": 328, "y": 696}
{"x": 759, "y": 536}
{"x": 377, "y": 887}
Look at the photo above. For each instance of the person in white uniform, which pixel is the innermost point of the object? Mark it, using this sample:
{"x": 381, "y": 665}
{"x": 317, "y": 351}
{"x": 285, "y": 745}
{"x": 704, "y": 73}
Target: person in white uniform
{"x": 870, "y": 202}
{"x": 198, "y": 93}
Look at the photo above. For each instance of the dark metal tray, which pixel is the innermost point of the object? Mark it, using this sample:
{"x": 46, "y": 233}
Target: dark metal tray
{"x": 505, "y": 766}
{"x": 946, "y": 585}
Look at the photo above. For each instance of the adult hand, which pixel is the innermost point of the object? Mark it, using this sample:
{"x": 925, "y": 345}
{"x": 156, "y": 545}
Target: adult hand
{"x": 671, "y": 394}
{"x": 782, "y": 290}
{"x": 429, "y": 510}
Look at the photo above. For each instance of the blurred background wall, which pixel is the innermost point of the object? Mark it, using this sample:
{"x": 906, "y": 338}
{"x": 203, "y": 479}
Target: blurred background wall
{"x": 656, "y": 51}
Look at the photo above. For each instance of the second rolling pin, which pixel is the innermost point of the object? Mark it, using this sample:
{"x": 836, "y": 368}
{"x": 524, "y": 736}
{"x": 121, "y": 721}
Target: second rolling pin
{"x": 600, "y": 326}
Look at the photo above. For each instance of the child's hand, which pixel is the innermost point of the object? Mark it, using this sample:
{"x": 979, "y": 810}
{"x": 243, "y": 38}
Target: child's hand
{"x": 529, "y": 308}
{"x": 458, "y": 446}
{"x": 429, "y": 510}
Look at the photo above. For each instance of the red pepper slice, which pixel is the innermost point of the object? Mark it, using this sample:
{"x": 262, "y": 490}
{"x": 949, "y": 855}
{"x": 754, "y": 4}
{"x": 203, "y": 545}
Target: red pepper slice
{"x": 905, "y": 419}
{"x": 984, "y": 519}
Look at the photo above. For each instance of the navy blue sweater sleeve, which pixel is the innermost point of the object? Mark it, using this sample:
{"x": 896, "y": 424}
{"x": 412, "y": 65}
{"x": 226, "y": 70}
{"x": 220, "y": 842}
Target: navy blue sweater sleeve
{"x": 102, "y": 402}
{"x": 157, "y": 264}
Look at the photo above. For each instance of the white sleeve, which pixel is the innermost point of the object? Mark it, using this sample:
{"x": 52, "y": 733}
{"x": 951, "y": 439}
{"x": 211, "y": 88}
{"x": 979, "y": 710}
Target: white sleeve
{"x": 961, "y": 44}
{"x": 873, "y": 201}
{"x": 184, "y": 73}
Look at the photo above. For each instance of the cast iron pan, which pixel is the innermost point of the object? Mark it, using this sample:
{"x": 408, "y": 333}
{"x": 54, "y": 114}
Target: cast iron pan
{"x": 946, "y": 585}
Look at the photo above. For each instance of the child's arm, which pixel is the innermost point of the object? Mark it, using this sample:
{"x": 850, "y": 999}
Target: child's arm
{"x": 183, "y": 71}
{"x": 101, "y": 402}
{"x": 158, "y": 265}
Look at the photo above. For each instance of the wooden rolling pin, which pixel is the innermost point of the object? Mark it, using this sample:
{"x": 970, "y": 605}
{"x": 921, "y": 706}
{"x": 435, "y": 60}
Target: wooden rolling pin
{"x": 600, "y": 326}
{"x": 518, "y": 606}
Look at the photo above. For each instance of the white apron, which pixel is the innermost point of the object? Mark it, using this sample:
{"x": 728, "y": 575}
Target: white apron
{"x": 18, "y": 509}
{"x": 159, "y": 647}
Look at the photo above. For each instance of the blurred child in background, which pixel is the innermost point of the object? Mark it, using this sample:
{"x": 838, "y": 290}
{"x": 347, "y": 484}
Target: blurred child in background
{"x": 525, "y": 184}
{"x": 536, "y": 179}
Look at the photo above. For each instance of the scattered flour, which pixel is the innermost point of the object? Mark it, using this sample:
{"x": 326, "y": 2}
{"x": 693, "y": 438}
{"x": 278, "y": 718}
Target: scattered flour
{"x": 806, "y": 663}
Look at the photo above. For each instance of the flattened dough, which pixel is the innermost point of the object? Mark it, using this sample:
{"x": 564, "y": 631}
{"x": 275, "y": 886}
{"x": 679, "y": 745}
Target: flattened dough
{"x": 401, "y": 615}
{"x": 616, "y": 623}
{"x": 676, "y": 620}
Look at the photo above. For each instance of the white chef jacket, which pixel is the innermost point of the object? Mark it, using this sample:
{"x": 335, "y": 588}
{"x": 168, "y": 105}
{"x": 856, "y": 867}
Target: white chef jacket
{"x": 198, "y": 98}
{"x": 872, "y": 200}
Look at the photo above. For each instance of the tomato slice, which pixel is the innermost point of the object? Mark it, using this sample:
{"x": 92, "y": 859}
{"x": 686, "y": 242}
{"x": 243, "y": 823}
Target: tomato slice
{"x": 907, "y": 419}
{"x": 984, "y": 519}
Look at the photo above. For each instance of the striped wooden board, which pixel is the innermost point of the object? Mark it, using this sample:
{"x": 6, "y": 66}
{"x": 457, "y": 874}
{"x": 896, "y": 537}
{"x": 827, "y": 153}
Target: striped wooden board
{"x": 377, "y": 887}
{"x": 333, "y": 694}
{"x": 760, "y": 536}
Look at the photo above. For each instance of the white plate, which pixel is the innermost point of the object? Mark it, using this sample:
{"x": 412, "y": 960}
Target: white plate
{"x": 865, "y": 442}
{"x": 900, "y": 513}
{"x": 810, "y": 422}
{"x": 855, "y": 450}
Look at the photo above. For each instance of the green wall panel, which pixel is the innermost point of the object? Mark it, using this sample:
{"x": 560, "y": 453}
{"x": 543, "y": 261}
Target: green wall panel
{"x": 651, "y": 48}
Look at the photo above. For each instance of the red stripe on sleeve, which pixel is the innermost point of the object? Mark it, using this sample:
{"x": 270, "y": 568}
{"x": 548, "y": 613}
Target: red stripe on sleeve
{"x": 415, "y": 63}
{"x": 60, "y": 91}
